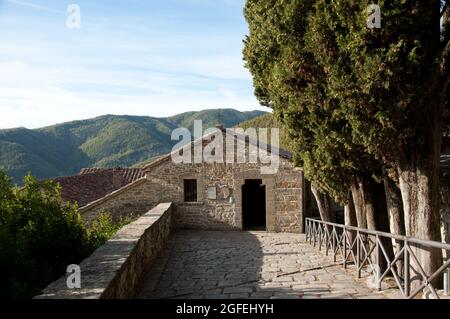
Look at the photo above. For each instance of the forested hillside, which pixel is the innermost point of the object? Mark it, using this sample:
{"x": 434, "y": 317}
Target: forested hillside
{"x": 105, "y": 141}
{"x": 269, "y": 121}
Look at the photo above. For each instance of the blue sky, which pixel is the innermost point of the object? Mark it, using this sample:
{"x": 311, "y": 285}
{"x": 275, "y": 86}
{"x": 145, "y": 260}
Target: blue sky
{"x": 140, "y": 57}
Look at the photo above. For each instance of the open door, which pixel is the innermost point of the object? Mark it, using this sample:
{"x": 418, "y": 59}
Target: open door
{"x": 254, "y": 205}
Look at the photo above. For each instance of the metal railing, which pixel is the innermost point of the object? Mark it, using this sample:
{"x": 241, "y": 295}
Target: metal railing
{"x": 365, "y": 249}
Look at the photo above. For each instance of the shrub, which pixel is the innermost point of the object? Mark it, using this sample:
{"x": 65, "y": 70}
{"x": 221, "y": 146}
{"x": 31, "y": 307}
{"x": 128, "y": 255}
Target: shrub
{"x": 104, "y": 228}
{"x": 40, "y": 236}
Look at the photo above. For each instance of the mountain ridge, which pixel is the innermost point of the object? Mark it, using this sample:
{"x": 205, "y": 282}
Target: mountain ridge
{"x": 104, "y": 141}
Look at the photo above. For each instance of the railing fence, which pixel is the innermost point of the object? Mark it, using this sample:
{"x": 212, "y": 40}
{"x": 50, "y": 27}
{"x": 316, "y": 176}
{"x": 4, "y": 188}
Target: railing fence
{"x": 365, "y": 249}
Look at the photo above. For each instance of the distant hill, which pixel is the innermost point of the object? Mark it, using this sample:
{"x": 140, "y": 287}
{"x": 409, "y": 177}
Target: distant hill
{"x": 267, "y": 120}
{"x": 105, "y": 141}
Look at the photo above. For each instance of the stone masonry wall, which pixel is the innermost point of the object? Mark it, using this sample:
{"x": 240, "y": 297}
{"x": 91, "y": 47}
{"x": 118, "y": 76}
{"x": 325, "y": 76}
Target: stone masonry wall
{"x": 284, "y": 194}
{"x": 289, "y": 198}
{"x": 132, "y": 200}
{"x": 115, "y": 269}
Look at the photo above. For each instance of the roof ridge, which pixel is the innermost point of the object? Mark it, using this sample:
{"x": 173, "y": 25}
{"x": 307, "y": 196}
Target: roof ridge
{"x": 281, "y": 152}
{"x": 70, "y": 176}
{"x": 93, "y": 169}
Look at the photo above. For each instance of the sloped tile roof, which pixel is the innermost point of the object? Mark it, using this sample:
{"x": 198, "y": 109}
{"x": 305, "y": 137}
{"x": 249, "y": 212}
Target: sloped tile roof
{"x": 128, "y": 173}
{"x": 92, "y": 184}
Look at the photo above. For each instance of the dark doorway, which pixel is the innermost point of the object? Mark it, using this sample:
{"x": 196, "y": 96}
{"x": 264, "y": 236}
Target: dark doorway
{"x": 254, "y": 205}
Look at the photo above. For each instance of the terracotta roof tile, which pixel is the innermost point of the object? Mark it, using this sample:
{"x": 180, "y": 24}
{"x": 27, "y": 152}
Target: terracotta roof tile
{"x": 130, "y": 174}
{"x": 94, "y": 183}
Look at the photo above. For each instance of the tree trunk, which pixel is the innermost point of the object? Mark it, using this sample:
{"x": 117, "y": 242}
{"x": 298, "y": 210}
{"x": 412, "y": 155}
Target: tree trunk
{"x": 350, "y": 214}
{"x": 396, "y": 216}
{"x": 367, "y": 193}
{"x": 323, "y": 203}
{"x": 395, "y": 207}
{"x": 377, "y": 217}
{"x": 419, "y": 170}
{"x": 420, "y": 197}
{"x": 358, "y": 202}
{"x": 382, "y": 224}
{"x": 350, "y": 220}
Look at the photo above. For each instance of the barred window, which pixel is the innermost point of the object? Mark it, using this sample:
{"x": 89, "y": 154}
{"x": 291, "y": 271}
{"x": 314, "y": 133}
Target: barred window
{"x": 190, "y": 190}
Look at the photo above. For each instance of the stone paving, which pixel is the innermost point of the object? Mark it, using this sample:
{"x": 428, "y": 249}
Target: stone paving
{"x": 217, "y": 265}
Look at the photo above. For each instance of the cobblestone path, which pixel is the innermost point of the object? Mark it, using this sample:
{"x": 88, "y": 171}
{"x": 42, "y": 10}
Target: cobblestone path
{"x": 215, "y": 264}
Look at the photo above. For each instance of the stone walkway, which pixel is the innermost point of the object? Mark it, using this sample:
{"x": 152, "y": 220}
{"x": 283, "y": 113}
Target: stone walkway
{"x": 215, "y": 264}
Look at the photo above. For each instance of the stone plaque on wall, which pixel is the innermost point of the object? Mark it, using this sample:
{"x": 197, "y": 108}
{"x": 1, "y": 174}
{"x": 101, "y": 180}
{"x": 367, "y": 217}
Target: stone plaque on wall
{"x": 225, "y": 192}
{"x": 212, "y": 193}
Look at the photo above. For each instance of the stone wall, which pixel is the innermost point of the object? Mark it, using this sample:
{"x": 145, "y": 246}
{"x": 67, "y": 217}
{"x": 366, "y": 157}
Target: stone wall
{"x": 284, "y": 194}
{"x": 114, "y": 270}
{"x": 289, "y": 198}
{"x": 133, "y": 200}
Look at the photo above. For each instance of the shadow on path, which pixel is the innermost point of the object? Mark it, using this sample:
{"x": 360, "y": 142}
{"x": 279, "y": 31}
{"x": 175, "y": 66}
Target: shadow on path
{"x": 227, "y": 264}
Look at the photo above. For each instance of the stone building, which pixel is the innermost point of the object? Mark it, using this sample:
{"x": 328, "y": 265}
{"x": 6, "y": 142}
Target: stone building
{"x": 206, "y": 195}
{"x": 214, "y": 195}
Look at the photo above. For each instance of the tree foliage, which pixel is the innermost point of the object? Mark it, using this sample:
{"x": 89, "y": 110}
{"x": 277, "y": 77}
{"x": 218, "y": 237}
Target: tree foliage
{"x": 40, "y": 237}
{"x": 289, "y": 79}
{"x": 359, "y": 102}
{"x": 268, "y": 121}
{"x": 353, "y": 99}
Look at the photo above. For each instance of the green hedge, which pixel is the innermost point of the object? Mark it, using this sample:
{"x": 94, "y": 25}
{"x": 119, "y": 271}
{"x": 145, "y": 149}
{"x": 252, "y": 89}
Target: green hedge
{"x": 40, "y": 236}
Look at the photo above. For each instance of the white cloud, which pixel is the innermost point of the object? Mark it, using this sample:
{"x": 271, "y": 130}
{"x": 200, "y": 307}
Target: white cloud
{"x": 37, "y": 96}
{"x": 119, "y": 65}
{"x": 39, "y": 107}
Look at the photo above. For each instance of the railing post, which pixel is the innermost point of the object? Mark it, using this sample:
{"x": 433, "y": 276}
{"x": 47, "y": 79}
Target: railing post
{"x": 446, "y": 282}
{"x": 315, "y": 234}
{"x": 358, "y": 253}
{"x": 345, "y": 247}
{"x": 333, "y": 233}
{"x": 406, "y": 270}
{"x": 306, "y": 230}
{"x": 378, "y": 268}
{"x": 320, "y": 237}
{"x": 311, "y": 232}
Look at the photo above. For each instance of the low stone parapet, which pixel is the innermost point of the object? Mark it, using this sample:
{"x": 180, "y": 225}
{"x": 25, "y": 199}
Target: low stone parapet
{"x": 114, "y": 270}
